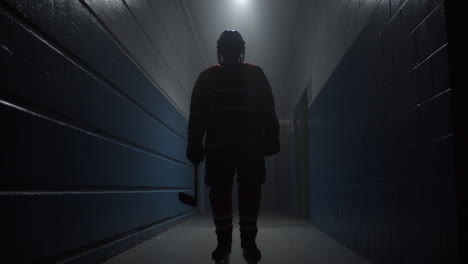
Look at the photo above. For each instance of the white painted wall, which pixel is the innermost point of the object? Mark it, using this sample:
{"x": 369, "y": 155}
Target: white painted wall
{"x": 159, "y": 36}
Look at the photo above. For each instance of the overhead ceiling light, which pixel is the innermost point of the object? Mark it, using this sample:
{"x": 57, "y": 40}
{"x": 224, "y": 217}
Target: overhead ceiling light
{"x": 242, "y": 1}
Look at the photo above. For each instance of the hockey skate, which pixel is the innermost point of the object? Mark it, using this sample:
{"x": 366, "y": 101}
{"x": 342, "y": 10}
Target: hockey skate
{"x": 221, "y": 254}
{"x": 251, "y": 253}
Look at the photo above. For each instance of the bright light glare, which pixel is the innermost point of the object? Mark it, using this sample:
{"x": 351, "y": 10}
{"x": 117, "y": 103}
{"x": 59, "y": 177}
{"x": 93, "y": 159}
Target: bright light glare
{"x": 242, "y": 1}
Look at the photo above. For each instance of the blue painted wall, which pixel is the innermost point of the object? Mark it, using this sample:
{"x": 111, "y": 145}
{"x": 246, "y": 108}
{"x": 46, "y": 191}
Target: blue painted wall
{"x": 381, "y": 140}
{"x": 91, "y": 151}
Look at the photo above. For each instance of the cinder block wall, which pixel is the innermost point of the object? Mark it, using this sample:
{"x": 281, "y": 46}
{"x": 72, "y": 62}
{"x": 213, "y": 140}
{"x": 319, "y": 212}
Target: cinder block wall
{"x": 381, "y": 140}
{"x": 92, "y": 152}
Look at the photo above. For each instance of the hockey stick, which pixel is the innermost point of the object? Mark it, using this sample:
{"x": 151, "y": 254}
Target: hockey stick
{"x": 187, "y": 199}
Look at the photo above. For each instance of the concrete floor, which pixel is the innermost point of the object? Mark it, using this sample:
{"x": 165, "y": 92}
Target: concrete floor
{"x": 282, "y": 239}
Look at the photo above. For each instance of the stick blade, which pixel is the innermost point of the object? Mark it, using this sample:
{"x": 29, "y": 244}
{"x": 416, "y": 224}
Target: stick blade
{"x": 187, "y": 199}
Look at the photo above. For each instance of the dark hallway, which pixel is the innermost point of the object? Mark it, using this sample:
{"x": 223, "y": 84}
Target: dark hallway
{"x": 95, "y": 102}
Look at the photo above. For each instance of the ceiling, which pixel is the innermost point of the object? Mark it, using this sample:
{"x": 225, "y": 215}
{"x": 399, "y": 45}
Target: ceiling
{"x": 266, "y": 25}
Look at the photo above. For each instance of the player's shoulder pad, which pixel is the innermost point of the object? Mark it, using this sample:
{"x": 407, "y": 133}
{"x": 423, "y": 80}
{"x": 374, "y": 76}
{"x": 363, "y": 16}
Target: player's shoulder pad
{"x": 206, "y": 73}
{"x": 250, "y": 64}
{"x": 213, "y": 68}
{"x": 253, "y": 67}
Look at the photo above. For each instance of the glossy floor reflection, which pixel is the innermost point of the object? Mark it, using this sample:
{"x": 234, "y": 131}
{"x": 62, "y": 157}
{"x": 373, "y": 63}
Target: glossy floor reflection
{"x": 282, "y": 239}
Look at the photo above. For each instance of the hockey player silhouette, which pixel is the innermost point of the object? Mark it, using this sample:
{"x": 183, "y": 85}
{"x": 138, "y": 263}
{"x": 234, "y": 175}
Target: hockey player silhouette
{"x": 233, "y": 111}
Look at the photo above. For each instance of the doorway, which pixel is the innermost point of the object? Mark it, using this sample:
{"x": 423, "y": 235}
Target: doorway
{"x": 301, "y": 158}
